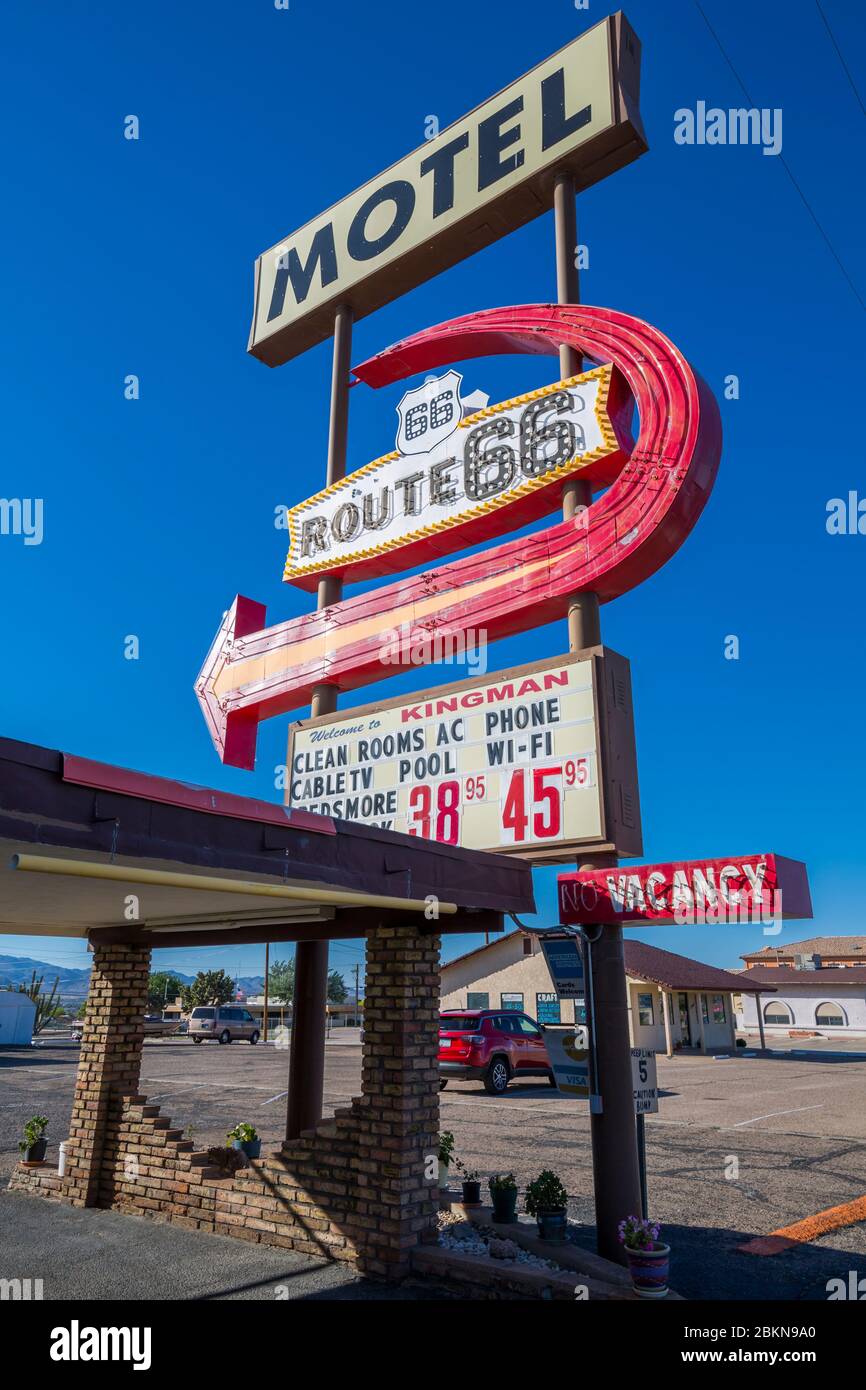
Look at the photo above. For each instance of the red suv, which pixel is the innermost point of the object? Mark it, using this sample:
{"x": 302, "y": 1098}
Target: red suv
{"x": 490, "y": 1045}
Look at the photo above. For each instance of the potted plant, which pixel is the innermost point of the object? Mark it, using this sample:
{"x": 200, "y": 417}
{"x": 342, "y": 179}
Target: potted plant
{"x": 245, "y": 1138}
{"x": 547, "y": 1200}
{"x": 32, "y": 1147}
{"x": 446, "y": 1153}
{"x": 648, "y": 1257}
{"x": 503, "y": 1193}
{"x": 470, "y": 1183}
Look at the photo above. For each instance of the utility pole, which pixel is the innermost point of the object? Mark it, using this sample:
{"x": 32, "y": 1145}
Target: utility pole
{"x": 616, "y": 1177}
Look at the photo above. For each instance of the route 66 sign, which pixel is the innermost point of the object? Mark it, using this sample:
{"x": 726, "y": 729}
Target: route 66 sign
{"x": 429, "y": 413}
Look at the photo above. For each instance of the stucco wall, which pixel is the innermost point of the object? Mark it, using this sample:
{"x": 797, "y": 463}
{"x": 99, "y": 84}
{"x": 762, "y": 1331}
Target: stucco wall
{"x": 507, "y": 971}
{"x": 803, "y": 1000}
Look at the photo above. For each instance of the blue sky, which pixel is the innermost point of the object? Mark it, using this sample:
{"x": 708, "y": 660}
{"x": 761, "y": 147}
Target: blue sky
{"x": 136, "y": 257}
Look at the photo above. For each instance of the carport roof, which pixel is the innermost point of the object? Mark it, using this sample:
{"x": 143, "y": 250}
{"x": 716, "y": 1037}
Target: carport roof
{"x": 78, "y": 839}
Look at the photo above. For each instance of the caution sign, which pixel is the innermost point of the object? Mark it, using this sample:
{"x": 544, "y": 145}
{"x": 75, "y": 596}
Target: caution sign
{"x": 644, "y": 1081}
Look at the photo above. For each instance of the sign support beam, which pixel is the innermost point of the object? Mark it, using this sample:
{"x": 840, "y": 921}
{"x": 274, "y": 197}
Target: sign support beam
{"x": 616, "y": 1176}
{"x": 307, "y": 1054}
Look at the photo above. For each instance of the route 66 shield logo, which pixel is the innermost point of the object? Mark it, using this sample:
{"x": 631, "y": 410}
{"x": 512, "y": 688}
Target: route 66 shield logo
{"x": 429, "y": 413}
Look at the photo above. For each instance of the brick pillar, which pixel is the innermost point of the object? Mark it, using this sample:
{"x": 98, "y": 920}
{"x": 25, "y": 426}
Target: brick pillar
{"x": 399, "y": 1111}
{"x": 109, "y": 1064}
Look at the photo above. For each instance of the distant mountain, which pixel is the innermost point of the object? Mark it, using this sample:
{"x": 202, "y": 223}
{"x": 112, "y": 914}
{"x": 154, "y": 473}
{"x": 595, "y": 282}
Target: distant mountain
{"x": 17, "y": 970}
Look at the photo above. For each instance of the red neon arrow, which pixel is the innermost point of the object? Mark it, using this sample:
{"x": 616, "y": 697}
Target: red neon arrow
{"x": 252, "y": 673}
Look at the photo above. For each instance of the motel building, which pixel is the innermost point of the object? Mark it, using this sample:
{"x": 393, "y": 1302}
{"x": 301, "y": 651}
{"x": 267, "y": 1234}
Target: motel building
{"x": 675, "y": 1003}
{"x": 820, "y": 988}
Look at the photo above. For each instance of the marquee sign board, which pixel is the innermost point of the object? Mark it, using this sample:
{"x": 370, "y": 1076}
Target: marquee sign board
{"x": 538, "y": 761}
{"x": 482, "y": 177}
{"x": 454, "y": 481}
{"x": 737, "y": 890}
{"x": 253, "y": 672}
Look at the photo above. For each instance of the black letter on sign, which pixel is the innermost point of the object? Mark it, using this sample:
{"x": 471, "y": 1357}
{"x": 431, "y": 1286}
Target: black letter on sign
{"x": 554, "y": 126}
{"x": 289, "y": 267}
{"x": 441, "y": 164}
{"x": 402, "y": 195}
{"x": 492, "y": 139}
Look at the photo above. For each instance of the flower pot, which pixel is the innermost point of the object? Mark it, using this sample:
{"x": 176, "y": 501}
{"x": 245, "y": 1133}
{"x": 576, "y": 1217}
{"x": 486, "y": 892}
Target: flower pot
{"x": 552, "y": 1224}
{"x": 472, "y": 1194}
{"x": 251, "y": 1147}
{"x": 649, "y": 1270}
{"x": 505, "y": 1204}
{"x": 443, "y": 1176}
{"x": 35, "y": 1153}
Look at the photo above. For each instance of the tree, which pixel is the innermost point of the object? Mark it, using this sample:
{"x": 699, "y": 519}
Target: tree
{"x": 281, "y": 981}
{"x": 337, "y": 992}
{"x": 48, "y": 1006}
{"x": 163, "y": 987}
{"x": 208, "y": 987}
{"x": 81, "y": 1011}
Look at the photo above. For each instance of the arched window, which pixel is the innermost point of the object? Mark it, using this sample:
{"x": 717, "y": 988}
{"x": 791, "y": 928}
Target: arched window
{"x": 777, "y": 1013}
{"x": 830, "y": 1016}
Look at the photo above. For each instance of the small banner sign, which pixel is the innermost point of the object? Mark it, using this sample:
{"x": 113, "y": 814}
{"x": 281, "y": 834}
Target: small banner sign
{"x": 740, "y": 889}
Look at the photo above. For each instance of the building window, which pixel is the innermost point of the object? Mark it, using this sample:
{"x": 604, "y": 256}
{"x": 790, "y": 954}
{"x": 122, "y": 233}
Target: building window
{"x": 511, "y": 1001}
{"x": 778, "y": 1014}
{"x": 478, "y": 1001}
{"x": 547, "y": 1008}
{"x": 645, "y": 1010}
{"x": 705, "y": 1009}
{"x": 719, "y": 1015}
{"x": 830, "y": 1016}
{"x": 527, "y": 945}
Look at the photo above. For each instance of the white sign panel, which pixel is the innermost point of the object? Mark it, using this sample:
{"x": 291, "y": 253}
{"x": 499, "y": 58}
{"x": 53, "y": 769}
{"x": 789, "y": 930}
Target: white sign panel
{"x": 569, "y": 1058}
{"x": 459, "y": 191}
{"x": 509, "y": 762}
{"x": 448, "y": 474}
{"x": 644, "y": 1081}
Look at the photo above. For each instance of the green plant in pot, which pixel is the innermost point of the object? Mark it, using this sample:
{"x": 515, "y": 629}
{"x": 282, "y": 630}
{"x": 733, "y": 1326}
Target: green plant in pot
{"x": 445, "y": 1154}
{"x": 470, "y": 1183}
{"x": 34, "y": 1144}
{"x": 547, "y": 1200}
{"x": 648, "y": 1257}
{"x": 245, "y": 1138}
{"x": 503, "y": 1194}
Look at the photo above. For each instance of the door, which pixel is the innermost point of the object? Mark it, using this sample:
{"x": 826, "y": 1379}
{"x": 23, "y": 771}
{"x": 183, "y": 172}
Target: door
{"x": 533, "y": 1049}
{"x": 685, "y": 1019}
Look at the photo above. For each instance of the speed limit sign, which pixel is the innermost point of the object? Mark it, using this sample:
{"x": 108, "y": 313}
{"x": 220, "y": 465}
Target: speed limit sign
{"x": 644, "y": 1081}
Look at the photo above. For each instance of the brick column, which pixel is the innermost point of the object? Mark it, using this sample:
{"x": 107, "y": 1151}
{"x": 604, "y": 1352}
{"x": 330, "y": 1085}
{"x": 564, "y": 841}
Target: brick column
{"x": 399, "y": 1110}
{"x": 109, "y": 1064}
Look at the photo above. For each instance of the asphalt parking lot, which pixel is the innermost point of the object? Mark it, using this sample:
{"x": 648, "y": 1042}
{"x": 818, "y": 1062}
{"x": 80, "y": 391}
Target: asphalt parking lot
{"x": 741, "y": 1147}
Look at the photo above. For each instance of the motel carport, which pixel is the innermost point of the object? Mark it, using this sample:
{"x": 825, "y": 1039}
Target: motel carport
{"x": 131, "y": 862}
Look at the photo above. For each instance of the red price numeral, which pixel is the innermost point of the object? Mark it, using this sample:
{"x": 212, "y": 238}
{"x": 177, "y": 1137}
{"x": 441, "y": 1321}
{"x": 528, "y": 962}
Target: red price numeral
{"x": 577, "y": 772}
{"x": 547, "y": 803}
{"x": 514, "y": 810}
{"x": 447, "y": 812}
{"x": 420, "y": 800}
{"x": 475, "y": 788}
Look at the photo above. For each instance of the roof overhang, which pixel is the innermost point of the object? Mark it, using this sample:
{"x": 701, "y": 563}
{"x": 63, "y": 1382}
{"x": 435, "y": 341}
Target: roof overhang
{"x": 88, "y": 850}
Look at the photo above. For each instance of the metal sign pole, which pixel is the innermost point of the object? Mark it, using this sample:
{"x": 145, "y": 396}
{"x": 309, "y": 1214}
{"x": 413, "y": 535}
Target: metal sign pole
{"x": 307, "y": 1055}
{"x": 641, "y": 1155}
{"x": 614, "y": 1135}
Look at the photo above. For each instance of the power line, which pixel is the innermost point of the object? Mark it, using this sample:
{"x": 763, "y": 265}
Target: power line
{"x": 784, "y": 163}
{"x": 845, "y": 67}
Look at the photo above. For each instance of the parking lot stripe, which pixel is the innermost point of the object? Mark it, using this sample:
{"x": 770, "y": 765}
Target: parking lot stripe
{"x": 809, "y": 1229}
{"x": 273, "y": 1098}
{"x": 770, "y": 1114}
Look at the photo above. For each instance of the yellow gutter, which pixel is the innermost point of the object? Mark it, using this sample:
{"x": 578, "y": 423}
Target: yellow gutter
{"x": 163, "y": 878}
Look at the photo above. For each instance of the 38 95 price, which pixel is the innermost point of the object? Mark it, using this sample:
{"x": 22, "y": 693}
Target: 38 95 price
{"x": 530, "y": 802}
